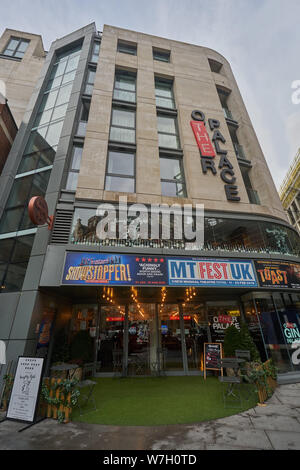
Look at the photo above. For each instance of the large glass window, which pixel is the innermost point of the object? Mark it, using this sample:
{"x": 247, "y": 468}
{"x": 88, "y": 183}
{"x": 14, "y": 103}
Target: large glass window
{"x": 120, "y": 175}
{"x": 36, "y": 163}
{"x": 95, "y": 52}
{"x": 122, "y": 125}
{"x": 172, "y": 177}
{"x": 74, "y": 168}
{"x": 90, "y": 80}
{"x": 167, "y": 132}
{"x": 14, "y": 256}
{"x": 16, "y": 47}
{"x": 84, "y": 117}
{"x": 125, "y": 84}
{"x": 164, "y": 93}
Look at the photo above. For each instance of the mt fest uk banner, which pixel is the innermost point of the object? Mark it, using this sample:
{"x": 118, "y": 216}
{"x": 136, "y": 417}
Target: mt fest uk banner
{"x": 131, "y": 270}
{"x": 278, "y": 274}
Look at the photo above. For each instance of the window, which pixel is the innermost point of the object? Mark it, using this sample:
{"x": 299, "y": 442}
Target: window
{"x": 167, "y": 132}
{"x": 90, "y": 80}
{"x": 96, "y": 51}
{"x": 125, "y": 86}
{"x": 163, "y": 56}
{"x": 16, "y": 47}
{"x": 172, "y": 177}
{"x": 252, "y": 193}
{"x": 84, "y": 116}
{"x": 122, "y": 125}
{"x": 215, "y": 66}
{"x": 164, "y": 93}
{"x": 126, "y": 48}
{"x": 74, "y": 168}
{"x": 120, "y": 173}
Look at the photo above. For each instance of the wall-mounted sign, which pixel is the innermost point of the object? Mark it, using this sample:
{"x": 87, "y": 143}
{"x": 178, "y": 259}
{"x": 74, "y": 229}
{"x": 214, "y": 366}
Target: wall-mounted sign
{"x": 38, "y": 212}
{"x": 25, "y": 391}
{"x": 129, "y": 270}
{"x": 207, "y": 153}
{"x": 281, "y": 274}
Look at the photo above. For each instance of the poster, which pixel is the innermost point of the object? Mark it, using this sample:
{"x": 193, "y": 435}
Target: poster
{"x": 281, "y": 274}
{"x": 25, "y": 390}
{"x": 123, "y": 269}
{"x": 45, "y": 329}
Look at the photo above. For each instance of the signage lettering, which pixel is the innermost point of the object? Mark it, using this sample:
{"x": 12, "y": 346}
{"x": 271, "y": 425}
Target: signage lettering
{"x": 207, "y": 152}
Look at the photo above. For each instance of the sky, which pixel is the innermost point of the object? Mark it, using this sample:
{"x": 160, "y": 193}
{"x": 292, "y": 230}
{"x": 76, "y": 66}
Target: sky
{"x": 259, "y": 38}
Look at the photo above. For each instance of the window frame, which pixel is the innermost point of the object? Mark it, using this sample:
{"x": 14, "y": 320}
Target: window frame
{"x": 132, "y": 47}
{"x": 173, "y": 180}
{"x": 167, "y": 81}
{"x": 71, "y": 169}
{"x": 128, "y": 109}
{"x": 169, "y": 116}
{"x": 162, "y": 52}
{"x": 15, "y": 50}
{"x": 119, "y": 175}
{"x": 128, "y": 73}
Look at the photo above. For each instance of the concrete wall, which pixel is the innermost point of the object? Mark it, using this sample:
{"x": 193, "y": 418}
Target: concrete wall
{"x": 20, "y": 76}
{"x": 194, "y": 88}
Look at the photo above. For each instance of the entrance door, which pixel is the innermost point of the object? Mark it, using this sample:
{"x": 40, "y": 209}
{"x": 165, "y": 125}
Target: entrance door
{"x": 110, "y": 344}
{"x": 142, "y": 339}
{"x": 170, "y": 337}
{"x": 196, "y": 334}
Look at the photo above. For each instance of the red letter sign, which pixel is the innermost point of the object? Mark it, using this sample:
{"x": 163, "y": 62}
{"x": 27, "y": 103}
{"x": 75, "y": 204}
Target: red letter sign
{"x": 202, "y": 139}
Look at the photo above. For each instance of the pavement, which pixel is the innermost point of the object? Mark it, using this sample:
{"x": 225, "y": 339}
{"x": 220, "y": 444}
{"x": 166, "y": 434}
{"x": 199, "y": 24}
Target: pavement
{"x": 275, "y": 426}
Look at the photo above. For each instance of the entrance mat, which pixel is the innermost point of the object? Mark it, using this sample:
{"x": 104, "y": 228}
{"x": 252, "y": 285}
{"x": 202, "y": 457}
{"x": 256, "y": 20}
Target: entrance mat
{"x": 158, "y": 401}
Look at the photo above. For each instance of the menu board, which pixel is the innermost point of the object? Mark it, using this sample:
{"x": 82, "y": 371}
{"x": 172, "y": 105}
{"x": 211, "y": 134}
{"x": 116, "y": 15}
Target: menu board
{"x": 212, "y": 357}
{"x": 25, "y": 390}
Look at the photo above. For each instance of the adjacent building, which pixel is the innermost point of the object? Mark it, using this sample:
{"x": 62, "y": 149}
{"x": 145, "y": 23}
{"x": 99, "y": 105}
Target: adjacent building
{"x": 290, "y": 192}
{"x": 122, "y": 114}
{"x": 8, "y": 130}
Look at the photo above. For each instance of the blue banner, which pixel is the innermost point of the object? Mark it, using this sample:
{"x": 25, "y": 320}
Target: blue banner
{"x": 138, "y": 270}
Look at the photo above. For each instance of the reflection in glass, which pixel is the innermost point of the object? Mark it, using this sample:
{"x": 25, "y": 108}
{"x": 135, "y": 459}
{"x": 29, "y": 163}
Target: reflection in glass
{"x": 170, "y": 337}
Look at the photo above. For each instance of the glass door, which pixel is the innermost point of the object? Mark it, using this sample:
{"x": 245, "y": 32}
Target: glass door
{"x": 170, "y": 337}
{"x": 142, "y": 339}
{"x": 195, "y": 330}
{"x": 110, "y": 339}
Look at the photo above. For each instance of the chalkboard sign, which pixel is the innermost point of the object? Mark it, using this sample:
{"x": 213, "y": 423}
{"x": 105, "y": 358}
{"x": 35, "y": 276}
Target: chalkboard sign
{"x": 212, "y": 357}
{"x": 25, "y": 391}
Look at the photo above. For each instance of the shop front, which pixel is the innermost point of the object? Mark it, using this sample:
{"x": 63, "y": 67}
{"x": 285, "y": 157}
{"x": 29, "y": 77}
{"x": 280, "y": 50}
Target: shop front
{"x": 135, "y": 315}
{"x": 148, "y": 338}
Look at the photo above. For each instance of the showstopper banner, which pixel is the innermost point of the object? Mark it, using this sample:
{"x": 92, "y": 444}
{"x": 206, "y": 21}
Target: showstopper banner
{"x": 135, "y": 270}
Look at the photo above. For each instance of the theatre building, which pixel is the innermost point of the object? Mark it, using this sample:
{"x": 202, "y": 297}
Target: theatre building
{"x": 124, "y": 116}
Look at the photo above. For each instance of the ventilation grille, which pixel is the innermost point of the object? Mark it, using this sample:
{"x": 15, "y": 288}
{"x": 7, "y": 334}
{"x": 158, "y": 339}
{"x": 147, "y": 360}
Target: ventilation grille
{"x": 62, "y": 227}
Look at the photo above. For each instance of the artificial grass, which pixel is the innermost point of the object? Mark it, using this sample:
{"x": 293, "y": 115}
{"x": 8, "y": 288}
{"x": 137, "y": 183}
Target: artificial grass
{"x": 158, "y": 401}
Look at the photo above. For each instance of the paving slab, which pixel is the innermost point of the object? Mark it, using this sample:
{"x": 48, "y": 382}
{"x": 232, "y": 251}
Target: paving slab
{"x": 246, "y": 438}
{"x": 284, "y": 440}
{"x": 276, "y": 423}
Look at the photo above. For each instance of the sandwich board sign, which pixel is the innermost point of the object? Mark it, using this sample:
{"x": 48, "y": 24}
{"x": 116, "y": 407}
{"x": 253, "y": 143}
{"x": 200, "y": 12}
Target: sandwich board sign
{"x": 212, "y": 357}
{"x": 25, "y": 390}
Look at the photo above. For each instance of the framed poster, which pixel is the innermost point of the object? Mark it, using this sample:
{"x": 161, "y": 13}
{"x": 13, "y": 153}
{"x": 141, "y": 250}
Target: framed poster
{"x": 212, "y": 357}
{"x": 25, "y": 390}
